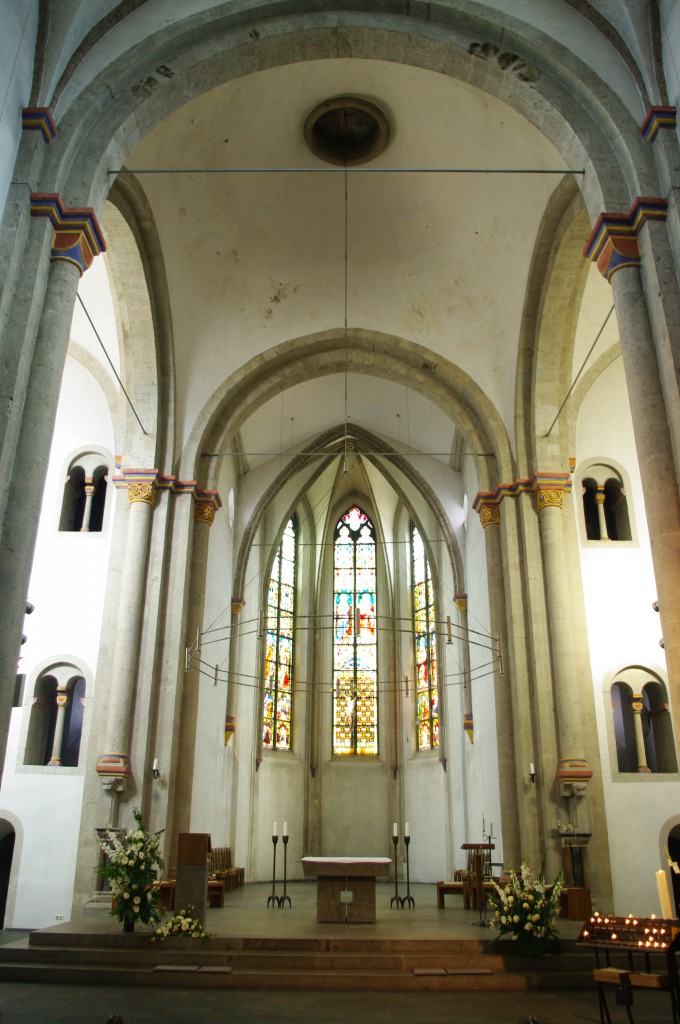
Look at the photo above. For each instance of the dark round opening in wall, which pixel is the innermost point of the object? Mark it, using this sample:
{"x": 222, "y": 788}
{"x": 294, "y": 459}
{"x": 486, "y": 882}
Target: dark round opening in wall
{"x": 346, "y": 131}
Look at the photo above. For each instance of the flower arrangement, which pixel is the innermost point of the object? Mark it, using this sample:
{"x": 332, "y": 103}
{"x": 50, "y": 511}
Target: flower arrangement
{"x": 130, "y": 868}
{"x": 526, "y": 909}
{"x": 182, "y": 925}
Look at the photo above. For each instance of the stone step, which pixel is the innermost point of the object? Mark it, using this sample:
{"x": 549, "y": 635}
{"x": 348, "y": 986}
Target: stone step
{"x": 352, "y": 964}
{"x": 193, "y": 976}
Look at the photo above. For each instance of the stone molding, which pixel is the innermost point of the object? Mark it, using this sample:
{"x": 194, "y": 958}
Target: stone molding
{"x": 143, "y": 484}
{"x": 613, "y": 242}
{"x": 39, "y": 119}
{"x": 549, "y": 485}
{"x": 657, "y": 118}
{"x": 78, "y": 237}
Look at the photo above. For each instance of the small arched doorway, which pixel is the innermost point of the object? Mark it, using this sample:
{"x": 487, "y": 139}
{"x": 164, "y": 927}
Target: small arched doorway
{"x": 7, "y": 837}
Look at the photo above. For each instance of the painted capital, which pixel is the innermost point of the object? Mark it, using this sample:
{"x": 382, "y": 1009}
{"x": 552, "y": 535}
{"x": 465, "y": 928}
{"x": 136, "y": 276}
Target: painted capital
{"x": 114, "y": 771}
{"x": 637, "y": 703}
{"x": 657, "y": 118}
{"x": 39, "y": 119}
{"x": 613, "y": 242}
{"x": 460, "y": 601}
{"x": 141, "y": 485}
{"x": 62, "y": 698}
{"x": 573, "y": 774}
{"x": 206, "y": 504}
{"x": 549, "y": 489}
{"x": 488, "y": 509}
{"x": 77, "y": 235}
{"x": 237, "y": 605}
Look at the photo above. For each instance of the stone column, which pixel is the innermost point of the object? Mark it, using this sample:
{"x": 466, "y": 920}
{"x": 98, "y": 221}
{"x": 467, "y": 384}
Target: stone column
{"x": 637, "y": 704}
{"x": 206, "y": 503}
{"x": 508, "y": 726}
{"x": 87, "y": 511}
{"x": 599, "y": 500}
{"x": 614, "y": 245}
{"x": 114, "y": 766}
{"x": 62, "y": 704}
{"x": 573, "y": 771}
{"x": 460, "y": 601}
{"x": 77, "y": 239}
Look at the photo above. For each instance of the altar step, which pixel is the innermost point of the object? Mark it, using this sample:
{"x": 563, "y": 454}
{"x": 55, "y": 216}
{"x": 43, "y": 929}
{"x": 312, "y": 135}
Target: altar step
{"x": 316, "y": 964}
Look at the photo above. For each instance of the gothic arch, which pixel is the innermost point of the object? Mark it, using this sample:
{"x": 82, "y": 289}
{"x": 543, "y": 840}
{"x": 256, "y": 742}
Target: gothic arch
{"x": 370, "y": 353}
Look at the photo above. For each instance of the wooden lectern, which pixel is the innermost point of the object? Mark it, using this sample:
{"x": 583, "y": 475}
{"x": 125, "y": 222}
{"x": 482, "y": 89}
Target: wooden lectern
{"x": 191, "y": 887}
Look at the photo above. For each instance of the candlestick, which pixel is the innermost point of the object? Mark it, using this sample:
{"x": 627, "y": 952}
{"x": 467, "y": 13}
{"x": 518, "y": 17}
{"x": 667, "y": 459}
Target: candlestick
{"x": 408, "y": 900}
{"x": 273, "y": 900}
{"x": 396, "y": 899}
{"x": 285, "y": 896}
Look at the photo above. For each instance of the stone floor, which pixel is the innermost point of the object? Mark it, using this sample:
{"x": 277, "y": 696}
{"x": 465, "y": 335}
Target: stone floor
{"x": 67, "y": 1004}
{"x": 247, "y": 911}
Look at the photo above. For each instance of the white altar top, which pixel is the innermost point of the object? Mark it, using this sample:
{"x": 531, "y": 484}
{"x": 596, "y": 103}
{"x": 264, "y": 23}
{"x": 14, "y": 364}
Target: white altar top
{"x": 354, "y": 867}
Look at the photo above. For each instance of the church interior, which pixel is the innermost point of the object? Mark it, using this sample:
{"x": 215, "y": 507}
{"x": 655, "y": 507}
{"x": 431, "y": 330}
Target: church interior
{"x": 340, "y": 437}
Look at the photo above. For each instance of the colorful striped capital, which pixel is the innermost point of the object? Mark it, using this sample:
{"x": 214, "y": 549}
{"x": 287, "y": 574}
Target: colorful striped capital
{"x": 77, "y": 235}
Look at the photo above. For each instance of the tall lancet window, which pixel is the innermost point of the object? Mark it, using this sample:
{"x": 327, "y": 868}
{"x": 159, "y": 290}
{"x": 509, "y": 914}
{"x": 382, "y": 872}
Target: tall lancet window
{"x": 355, "y": 658}
{"x": 278, "y": 662}
{"x": 427, "y": 695}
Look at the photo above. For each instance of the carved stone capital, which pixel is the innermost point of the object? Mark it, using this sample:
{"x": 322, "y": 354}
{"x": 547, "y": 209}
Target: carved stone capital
{"x": 489, "y": 512}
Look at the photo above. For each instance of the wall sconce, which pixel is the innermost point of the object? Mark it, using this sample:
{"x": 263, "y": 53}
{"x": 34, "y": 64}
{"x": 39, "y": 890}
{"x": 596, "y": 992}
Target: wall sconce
{"x": 155, "y": 770}
{"x": 532, "y": 772}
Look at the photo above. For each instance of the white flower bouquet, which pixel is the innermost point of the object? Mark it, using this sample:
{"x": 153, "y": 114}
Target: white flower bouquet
{"x": 526, "y": 908}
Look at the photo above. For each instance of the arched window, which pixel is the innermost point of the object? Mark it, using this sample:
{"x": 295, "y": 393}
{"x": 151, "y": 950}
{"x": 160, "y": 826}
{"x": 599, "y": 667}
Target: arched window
{"x": 355, "y": 657}
{"x": 82, "y": 509}
{"x": 642, "y": 729}
{"x": 56, "y": 721}
{"x": 424, "y": 621}
{"x": 605, "y": 508}
{"x": 278, "y": 662}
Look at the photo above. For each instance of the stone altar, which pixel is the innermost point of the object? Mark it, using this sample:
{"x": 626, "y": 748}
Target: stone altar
{"x": 337, "y": 876}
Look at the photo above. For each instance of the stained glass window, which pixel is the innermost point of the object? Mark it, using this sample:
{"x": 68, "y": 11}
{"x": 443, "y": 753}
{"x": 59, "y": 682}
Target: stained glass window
{"x": 355, "y": 663}
{"x": 427, "y": 694}
{"x": 279, "y": 640}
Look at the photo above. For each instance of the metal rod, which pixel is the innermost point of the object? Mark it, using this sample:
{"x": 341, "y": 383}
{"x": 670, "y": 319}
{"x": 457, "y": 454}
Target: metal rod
{"x": 110, "y": 363}
{"x": 345, "y": 170}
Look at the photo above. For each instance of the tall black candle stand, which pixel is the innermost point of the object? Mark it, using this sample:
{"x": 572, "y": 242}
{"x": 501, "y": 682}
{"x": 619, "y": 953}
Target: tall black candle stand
{"x": 273, "y": 900}
{"x": 282, "y": 899}
{"x": 396, "y": 898}
{"x": 408, "y": 900}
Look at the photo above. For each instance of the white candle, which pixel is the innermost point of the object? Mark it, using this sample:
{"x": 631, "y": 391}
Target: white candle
{"x": 285, "y": 828}
{"x": 531, "y": 769}
{"x": 275, "y": 828}
{"x": 155, "y": 764}
{"x": 407, "y": 829}
{"x": 395, "y": 830}
{"x": 664, "y": 897}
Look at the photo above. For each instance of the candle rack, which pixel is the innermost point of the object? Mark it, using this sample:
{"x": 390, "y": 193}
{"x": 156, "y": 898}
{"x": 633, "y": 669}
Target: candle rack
{"x": 273, "y": 900}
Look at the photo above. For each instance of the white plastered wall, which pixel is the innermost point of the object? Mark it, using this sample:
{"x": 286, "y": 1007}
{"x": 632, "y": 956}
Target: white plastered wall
{"x": 623, "y": 629}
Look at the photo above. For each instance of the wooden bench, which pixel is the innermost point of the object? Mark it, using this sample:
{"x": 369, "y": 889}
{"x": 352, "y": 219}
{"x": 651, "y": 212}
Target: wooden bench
{"x": 463, "y": 887}
{"x": 448, "y": 889}
{"x": 166, "y": 892}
